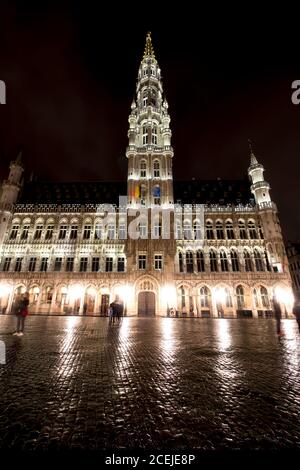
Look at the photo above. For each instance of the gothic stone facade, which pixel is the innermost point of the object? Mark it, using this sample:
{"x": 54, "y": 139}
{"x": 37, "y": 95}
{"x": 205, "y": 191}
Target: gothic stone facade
{"x": 68, "y": 244}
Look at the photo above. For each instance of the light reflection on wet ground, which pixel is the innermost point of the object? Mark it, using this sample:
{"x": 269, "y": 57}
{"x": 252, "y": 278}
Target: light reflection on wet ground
{"x": 75, "y": 382}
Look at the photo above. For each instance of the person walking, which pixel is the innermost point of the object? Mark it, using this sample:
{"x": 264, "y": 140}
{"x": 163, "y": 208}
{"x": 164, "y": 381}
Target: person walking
{"x": 296, "y": 312}
{"x": 277, "y": 313}
{"x": 22, "y": 313}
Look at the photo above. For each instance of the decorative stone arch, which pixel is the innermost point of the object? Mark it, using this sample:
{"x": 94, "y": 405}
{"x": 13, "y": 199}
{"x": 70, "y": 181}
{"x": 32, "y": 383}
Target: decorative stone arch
{"x": 16, "y": 221}
{"x": 75, "y": 220}
{"x": 148, "y": 299}
{"x": 63, "y": 221}
{"x": 39, "y": 221}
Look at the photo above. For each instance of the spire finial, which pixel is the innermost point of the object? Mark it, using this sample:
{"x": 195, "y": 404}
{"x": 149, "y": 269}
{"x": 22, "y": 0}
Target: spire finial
{"x": 19, "y": 157}
{"x": 149, "y": 51}
{"x": 252, "y": 156}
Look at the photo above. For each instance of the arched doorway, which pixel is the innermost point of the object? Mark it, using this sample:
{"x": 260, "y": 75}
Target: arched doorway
{"x": 146, "y": 304}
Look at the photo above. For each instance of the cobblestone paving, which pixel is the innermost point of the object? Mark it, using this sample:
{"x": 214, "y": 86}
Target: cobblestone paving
{"x": 204, "y": 384}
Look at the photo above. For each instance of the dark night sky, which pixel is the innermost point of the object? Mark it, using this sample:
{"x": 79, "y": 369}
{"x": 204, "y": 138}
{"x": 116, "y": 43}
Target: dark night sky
{"x": 70, "y": 69}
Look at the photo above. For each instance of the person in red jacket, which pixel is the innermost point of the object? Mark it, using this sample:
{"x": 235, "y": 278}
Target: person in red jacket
{"x": 21, "y": 313}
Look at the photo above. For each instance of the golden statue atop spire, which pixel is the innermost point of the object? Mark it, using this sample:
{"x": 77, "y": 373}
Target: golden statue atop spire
{"x": 149, "y": 51}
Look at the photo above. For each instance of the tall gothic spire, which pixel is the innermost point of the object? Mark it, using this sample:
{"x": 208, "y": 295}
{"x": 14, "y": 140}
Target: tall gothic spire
{"x": 149, "y": 51}
{"x": 253, "y": 159}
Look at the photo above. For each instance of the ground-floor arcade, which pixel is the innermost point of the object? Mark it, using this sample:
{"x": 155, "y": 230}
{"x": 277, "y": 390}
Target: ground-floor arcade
{"x": 149, "y": 296}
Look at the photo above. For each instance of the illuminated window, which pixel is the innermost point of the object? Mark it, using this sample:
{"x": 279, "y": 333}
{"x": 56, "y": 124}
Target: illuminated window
{"x": 38, "y": 232}
{"x": 25, "y": 231}
{"x": 121, "y": 264}
{"x": 6, "y": 264}
{"x": 44, "y": 265}
{"x": 213, "y": 261}
{"x": 70, "y": 264}
{"x": 32, "y": 264}
{"x": 156, "y": 169}
{"x": 229, "y": 231}
{"x": 248, "y": 261}
{"x": 18, "y": 265}
{"x": 73, "y": 233}
{"x": 234, "y": 261}
{"x": 200, "y": 261}
{"x": 96, "y": 264}
{"x": 83, "y": 264}
{"x": 49, "y": 232}
{"x": 87, "y": 232}
{"x": 158, "y": 262}
{"x": 142, "y": 261}
{"x": 258, "y": 261}
{"x": 14, "y": 232}
{"x": 252, "y": 230}
{"x": 224, "y": 261}
{"x": 242, "y": 230}
{"x": 189, "y": 259}
{"x": 240, "y": 297}
{"x": 143, "y": 169}
{"x": 220, "y": 231}
{"x": 62, "y": 232}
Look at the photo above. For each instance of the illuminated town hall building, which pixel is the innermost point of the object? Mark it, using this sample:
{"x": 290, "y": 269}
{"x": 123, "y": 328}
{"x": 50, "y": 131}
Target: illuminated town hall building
{"x": 68, "y": 244}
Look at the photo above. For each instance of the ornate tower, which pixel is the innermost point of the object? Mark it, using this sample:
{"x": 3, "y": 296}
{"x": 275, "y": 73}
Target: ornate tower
{"x": 268, "y": 216}
{"x": 260, "y": 188}
{"x": 10, "y": 191}
{"x": 149, "y": 152}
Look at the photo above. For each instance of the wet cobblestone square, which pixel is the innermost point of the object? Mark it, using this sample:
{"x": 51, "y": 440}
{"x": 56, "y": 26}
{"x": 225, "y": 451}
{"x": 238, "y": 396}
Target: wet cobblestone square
{"x": 203, "y": 384}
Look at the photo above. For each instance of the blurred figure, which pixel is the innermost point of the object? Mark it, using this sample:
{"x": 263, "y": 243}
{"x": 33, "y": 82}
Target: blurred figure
{"x": 277, "y": 313}
{"x": 296, "y": 312}
{"x": 21, "y": 311}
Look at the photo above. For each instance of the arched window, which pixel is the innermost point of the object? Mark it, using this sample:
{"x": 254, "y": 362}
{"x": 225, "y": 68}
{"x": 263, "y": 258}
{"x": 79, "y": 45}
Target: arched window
{"x": 200, "y": 261}
{"x": 258, "y": 261}
{"x": 268, "y": 265}
{"x": 156, "y": 169}
{"x": 183, "y": 297}
{"x": 143, "y": 169}
{"x": 220, "y": 231}
{"x": 234, "y": 261}
{"x": 154, "y": 136}
{"x": 228, "y": 298}
{"x": 264, "y": 297}
{"x": 189, "y": 262}
{"x": 197, "y": 230}
{"x": 252, "y": 230}
{"x": 248, "y": 261}
{"x": 145, "y": 96}
{"x": 180, "y": 257}
{"x": 209, "y": 230}
{"x": 187, "y": 231}
{"x": 240, "y": 297}
{"x": 204, "y": 297}
{"x": 256, "y": 298}
{"x": 213, "y": 261}
{"x": 145, "y": 135}
{"x": 224, "y": 261}
{"x": 111, "y": 231}
{"x": 229, "y": 230}
{"x": 261, "y": 233}
{"x": 242, "y": 230}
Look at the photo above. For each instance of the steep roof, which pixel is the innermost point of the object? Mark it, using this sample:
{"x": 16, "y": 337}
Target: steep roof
{"x": 194, "y": 191}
